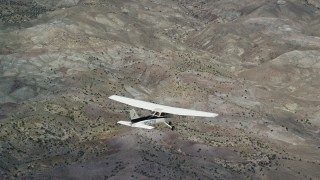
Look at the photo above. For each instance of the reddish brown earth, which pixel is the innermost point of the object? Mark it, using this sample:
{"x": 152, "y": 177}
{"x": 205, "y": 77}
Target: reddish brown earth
{"x": 255, "y": 63}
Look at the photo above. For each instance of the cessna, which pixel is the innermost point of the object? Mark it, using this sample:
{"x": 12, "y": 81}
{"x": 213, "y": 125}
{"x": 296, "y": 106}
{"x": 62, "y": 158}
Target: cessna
{"x": 159, "y": 113}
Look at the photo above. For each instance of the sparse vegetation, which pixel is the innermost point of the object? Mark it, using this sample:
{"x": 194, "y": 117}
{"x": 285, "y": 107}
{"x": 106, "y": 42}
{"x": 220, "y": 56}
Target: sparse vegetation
{"x": 254, "y": 63}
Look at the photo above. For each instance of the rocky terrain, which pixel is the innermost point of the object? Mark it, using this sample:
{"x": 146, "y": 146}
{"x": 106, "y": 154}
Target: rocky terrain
{"x": 255, "y": 63}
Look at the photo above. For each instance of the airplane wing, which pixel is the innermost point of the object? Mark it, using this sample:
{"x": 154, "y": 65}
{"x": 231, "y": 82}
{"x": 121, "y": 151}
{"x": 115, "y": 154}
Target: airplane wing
{"x": 161, "y": 108}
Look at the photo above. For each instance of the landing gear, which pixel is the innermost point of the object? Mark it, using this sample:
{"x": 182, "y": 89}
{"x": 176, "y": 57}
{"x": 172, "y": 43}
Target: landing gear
{"x": 170, "y": 125}
{"x": 172, "y": 128}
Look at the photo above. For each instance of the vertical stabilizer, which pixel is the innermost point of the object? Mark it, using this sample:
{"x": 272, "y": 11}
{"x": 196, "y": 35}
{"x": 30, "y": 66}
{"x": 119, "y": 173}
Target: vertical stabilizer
{"x": 133, "y": 114}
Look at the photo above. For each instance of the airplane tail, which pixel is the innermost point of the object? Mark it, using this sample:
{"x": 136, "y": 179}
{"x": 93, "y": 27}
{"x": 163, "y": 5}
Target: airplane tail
{"x": 133, "y": 114}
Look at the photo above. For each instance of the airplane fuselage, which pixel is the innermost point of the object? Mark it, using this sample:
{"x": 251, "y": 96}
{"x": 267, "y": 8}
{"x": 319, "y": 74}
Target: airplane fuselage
{"x": 160, "y": 113}
{"x": 147, "y": 121}
{"x": 151, "y": 119}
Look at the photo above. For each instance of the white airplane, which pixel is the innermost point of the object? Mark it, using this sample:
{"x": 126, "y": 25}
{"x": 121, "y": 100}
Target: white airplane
{"x": 159, "y": 113}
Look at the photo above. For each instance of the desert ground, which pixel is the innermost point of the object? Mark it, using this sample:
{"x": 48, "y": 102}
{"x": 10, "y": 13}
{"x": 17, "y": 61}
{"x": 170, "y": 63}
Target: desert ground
{"x": 254, "y": 62}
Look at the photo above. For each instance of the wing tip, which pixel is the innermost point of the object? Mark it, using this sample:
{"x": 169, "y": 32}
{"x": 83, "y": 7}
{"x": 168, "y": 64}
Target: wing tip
{"x": 112, "y": 96}
{"x": 205, "y": 114}
{"x": 214, "y": 115}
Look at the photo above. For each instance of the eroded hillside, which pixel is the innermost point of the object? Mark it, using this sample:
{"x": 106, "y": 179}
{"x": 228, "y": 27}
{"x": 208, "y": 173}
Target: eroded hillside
{"x": 255, "y": 63}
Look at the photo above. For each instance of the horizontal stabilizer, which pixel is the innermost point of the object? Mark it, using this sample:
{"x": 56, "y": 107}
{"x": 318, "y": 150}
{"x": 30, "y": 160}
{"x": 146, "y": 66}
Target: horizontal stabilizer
{"x": 138, "y": 125}
{"x": 127, "y": 123}
{"x": 142, "y": 125}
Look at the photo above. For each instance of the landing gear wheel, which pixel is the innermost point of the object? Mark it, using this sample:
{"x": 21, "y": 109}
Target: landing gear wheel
{"x": 170, "y": 123}
{"x": 172, "y": 128}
